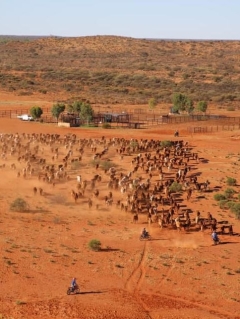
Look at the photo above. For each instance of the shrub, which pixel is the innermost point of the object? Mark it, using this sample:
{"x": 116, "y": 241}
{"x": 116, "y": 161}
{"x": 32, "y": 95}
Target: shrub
{"x": 229, "y": 192}
{"x": 94, "y": 245}
{"x": 218, "y": 197}
{"x": 231, "y": 181}
{"x": 175, "y": 187}
{"x": 25, "y": 93}
{"x": 230, "y": 108}
{"x": 106, "y": 125}
{"x": 235, "y": 208}
{"x": 43, "y": 91}
{"x": 202, "y": 106}
{"x": 134, "y": 144}
{"x": 105, "y": 165}
{"x": 152, "y": 103}
{"x": 76, "y": 165}
{"x": 230, "y": 204}
{"x": 19, "y": 205}
{"x": 165, "y": 143}
{"x": 95, "y": 162}
{"x": 223, "y": 204}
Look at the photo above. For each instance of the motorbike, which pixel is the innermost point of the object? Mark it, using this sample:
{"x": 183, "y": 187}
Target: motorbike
{"x": 216, "y": 241}
{"x": 73, "y": 290}
{"x": 145, "y": 237}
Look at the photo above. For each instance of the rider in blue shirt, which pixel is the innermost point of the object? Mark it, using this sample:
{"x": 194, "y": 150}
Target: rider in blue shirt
{"x": 215, "y": 237}
{"x": 73, "y": 283}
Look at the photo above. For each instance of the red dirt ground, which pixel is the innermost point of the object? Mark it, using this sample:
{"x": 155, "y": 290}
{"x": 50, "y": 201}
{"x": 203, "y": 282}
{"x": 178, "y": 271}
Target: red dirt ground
{"x": 175, "y": 275}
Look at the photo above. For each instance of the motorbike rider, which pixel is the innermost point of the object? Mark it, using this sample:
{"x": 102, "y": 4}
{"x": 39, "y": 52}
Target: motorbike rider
{"x": 215, "y": 237}
{"x": 74, "y": 284}
{"x": 144, "y": 233}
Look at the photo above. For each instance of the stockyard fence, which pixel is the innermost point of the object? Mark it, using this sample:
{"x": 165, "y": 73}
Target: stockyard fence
{"x": 139, "y": 118}
{"x": 13, "y": 114}
{"x": 225, "y": 123}
{"x": 214, "y": 128}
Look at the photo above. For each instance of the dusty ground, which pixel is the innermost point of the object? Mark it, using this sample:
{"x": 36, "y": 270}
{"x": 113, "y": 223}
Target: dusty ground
{"x": 175, "y": 275}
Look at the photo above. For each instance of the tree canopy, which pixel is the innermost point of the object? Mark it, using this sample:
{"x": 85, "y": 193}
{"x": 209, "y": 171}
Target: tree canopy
{"x": 152, "y": 103}
{"x": 36, "y": 112}
{"x": 182, "y": 103}
{"x": 84, "y": 110}
{"x": 202, "y": 106}
{"x": 57, "y": 109}
{"x": 75, "y": 107}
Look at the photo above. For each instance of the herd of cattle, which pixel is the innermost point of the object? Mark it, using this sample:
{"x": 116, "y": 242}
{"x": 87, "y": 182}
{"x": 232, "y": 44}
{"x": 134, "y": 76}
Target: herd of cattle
{"x": 146, "y": 177}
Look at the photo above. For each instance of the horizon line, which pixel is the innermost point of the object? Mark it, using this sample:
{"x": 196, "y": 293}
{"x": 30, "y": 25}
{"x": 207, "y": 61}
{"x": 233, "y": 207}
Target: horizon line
{"x": 109, "y": 35}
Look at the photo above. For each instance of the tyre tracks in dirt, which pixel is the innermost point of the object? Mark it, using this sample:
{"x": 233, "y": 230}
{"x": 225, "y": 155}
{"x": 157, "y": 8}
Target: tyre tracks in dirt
{"x": 135, "y": 281}
{"x": 184, "y": 303}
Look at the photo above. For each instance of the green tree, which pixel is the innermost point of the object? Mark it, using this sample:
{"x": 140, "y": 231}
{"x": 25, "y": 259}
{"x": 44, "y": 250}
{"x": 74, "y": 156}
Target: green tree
{"x": 75, "y": 107}
{"x": 189, "y": 106}
{"x": 202, "y": 106}
{"x": 86, "y": 112}
{"x": 182, "y": 103}
{"x": 36, "y": 112}
{"x": 57, "y": 109}
{"x": 152, "y": 103}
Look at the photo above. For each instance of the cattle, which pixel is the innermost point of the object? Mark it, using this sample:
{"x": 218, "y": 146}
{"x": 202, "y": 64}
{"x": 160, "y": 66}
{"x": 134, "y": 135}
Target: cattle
{"x": 142, "y": 186}
{"x": 135, "y": 218}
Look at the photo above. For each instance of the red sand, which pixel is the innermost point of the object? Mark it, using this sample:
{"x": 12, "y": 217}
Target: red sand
{"x": 176, "y": 275}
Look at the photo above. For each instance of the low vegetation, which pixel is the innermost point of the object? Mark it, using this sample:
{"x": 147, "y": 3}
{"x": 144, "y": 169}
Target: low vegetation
{"x": 231, "y": 181}
{"x": 150, "y": 71}
{"x": 165, "y": 144}
{"x": 19, "y": 205}
{"x": 175, "y": 187}
{"x": 228, "y": 200}
{"x": 94, "y": 245}
{"x": 106, "y": 126}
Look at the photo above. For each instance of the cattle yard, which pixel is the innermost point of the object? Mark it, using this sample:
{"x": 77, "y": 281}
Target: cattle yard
{"x": 136, "y": 118}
